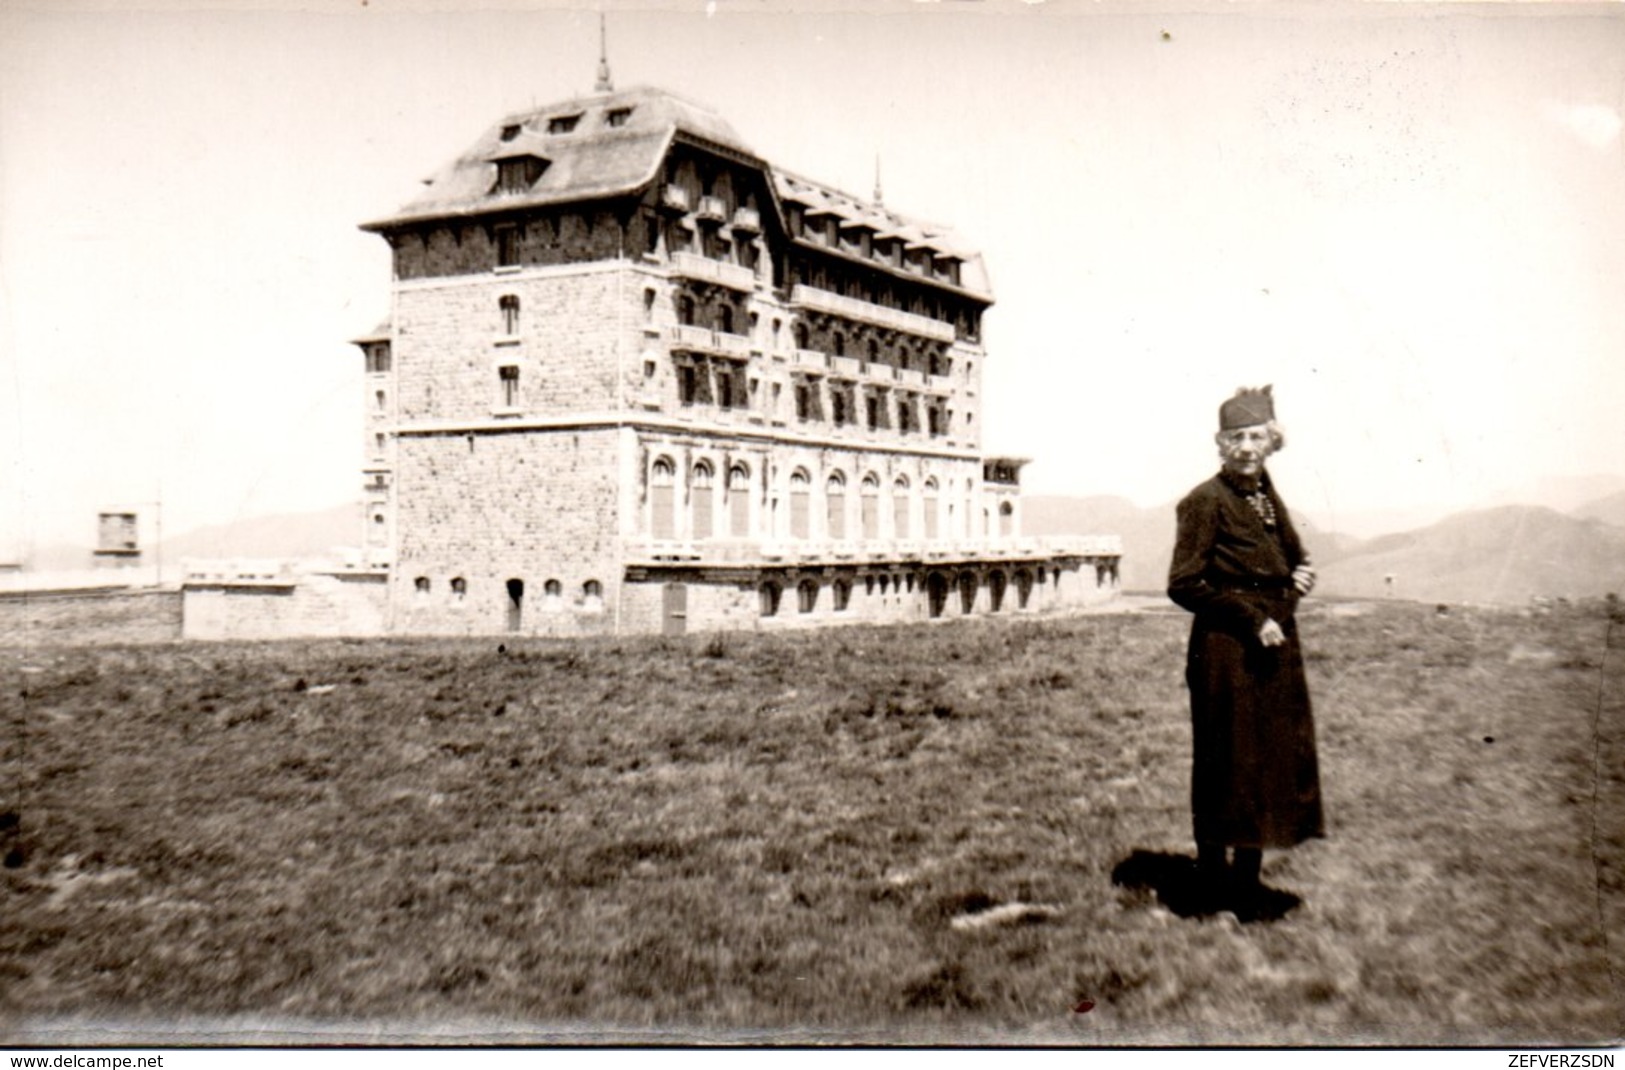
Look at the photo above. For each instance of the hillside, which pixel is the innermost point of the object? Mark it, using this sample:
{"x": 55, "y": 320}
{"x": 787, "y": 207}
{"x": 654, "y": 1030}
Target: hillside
{"x": 289, "y": 535}
{"x": 1507, "y": 554}
{"x": 1609, "y": 510}
{"x": 1148, "y": 534}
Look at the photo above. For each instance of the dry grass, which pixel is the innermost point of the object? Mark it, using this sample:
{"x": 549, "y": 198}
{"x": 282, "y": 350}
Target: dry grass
{"x": 777, "y": 832}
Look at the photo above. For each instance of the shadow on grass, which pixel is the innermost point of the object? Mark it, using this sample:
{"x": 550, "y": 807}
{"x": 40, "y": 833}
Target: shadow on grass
{"x": 1180, "y": 888}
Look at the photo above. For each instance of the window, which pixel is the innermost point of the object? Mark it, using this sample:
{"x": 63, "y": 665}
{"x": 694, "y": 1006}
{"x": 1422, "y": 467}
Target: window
{"x": 1007, "y": 520}
{"x": 688, "y": 383}
{"x": 835, "y": 506}
{"x": 802, "y": 340}
{"x": 379, "y": 442}
{"x": 840, "y": 595}
{"x": 516, "y": 174}
{"x": 870, "y": 506}
{"x": 800, "y": 495}
{"x": 933, "y": 421}
{"x": 725, "y": 319}
{"x": 700, "y": 499}
{"x": 995, "y": 591}
{"x": 900, "y": 507}
{"x": 378, "y": 401}
{"x": 905, "y": 417}
{"x": 771, "y": 594}
{"x": 837, "y": 407}
{"x": 508, "y": 377}
{"x": 807, "y": 595}
{"x": 459, "y": 589}
{"x": 931, "y": 508}
{"x": 840, "y": 344}
{"x": 592, "y": 596}
{"x": 507, "y": 246}
{"x": 378, "y": 357}
{"x": 685, "y": 310}
{"x": 803, "y": 402}
{"x": 872, "y": 410}
{"x": 511, "y": 131}
{"x": 420, "y": 586}
{"x": 563, "y": 124}
{"x": 1024, "y": 588}
{"x": 967, "y": 591}
{"x": 662, "y": 518}
{"x": 508, "y": 304}
{"x": 648, "y": 305}
{"x": 617, "y": 117}
{"x": 552, "y": 596}
{"x": 738, "y": 501}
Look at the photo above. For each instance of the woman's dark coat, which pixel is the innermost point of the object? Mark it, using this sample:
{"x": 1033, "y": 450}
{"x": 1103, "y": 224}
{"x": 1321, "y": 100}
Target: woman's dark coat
{"x": 1255, "y": 781}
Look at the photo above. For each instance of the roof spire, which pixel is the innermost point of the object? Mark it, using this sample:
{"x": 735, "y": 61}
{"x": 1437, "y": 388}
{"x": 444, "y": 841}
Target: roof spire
{"x": 603, "y": 85}
{"x": 878, "y": 199}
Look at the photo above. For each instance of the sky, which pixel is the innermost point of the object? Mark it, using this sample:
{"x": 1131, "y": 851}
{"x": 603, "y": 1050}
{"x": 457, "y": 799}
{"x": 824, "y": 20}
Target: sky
{"x": 1410, "y": 219}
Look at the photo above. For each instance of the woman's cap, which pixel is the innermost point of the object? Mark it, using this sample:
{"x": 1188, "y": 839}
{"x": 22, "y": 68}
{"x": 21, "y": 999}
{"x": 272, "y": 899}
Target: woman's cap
{"x": 1249, "y": 406}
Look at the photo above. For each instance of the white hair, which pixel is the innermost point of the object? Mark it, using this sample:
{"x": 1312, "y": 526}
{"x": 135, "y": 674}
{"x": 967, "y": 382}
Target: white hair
{"x": 1277, "y": 437}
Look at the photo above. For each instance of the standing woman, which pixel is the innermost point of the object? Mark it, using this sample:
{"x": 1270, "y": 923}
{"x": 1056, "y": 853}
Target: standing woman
{"x": 1239, "y": 567}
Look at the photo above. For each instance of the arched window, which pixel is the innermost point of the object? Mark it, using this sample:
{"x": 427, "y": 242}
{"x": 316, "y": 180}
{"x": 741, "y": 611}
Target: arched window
{"x": 420, "y": 586}
{"x": 508, "y": 305}
{"x": 738, "y": 501}
{"x": 931, "y": 507}
{"x": 967, "y": 591}
{"x": 1024, "y": 588}
{"x": 900, "y": 507}
{"x": 662, "y": 506}
{"x": 592, "y": 596}
{"x": 459, "y": 588}
{"x": 995, "y": 591}
{"x": 807, "y": 596}
{"x": 552, "y": 596}
{"x": 1007, "y": 520}
{"x": 771, "y": 593}
{"x": 685, "y": 310}
{"x": 840, "y": 595}
{"x": 799, "y": 332}
{"x": 871, "y": 506}
{"x": 835, "y": 505}
{"x": 800, "y": 496}
{"x": 516, "y": 604}
{"x": 725, "y": 319}
{"x": 701, "y": 500}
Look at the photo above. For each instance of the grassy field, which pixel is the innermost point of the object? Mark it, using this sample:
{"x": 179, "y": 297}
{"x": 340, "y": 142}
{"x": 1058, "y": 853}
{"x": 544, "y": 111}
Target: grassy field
{"x": 881, "y": 834}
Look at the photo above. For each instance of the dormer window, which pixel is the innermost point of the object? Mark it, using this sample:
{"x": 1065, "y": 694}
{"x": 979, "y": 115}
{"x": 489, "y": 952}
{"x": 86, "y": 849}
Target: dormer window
{"x": 563, "y": 124}
{"x": 615, "y": 117}
{"x": 511, "y": 131}
{"x": 516, "y": 174}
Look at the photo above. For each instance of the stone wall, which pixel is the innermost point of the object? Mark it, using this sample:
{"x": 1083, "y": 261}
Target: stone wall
{"x": 89, "y": 617}
{"x": 538, "y": 508}
{"x": 315, "y": 604}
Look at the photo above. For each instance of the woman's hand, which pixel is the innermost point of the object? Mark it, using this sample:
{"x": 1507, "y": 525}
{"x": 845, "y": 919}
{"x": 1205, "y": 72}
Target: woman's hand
{"x": 1303, "y": 578}
{"x": 1271, "y": 634}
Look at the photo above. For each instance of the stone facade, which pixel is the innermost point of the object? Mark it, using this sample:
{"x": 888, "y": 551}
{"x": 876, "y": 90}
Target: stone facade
{"x": 636, "y": 379}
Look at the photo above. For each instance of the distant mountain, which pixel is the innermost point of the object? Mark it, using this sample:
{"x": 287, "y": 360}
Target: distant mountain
{"x": 1609, "y": 510}
{"x": 290, "y": 535}
{"x": 1503, "y": 555}
{"x": 1148, "y": 533}
{"x": 1566, "y": 494}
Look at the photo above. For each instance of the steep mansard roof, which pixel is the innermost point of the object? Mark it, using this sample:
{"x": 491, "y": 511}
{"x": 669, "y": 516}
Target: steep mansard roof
{"x": 613, "y": 144}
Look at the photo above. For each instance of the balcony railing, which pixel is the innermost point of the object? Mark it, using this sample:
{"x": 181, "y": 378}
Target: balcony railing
{"x": 711, "y": 209}
{"x": 868, "y": 312}
{"x": 911, "y": 377}
{"x": 845, "y": 366}
{"x": 694, "y": 266}
{"x": 747, "y": 219}
{"x": 687, "y": 334}
{"x": 746, "y": 551}
{"x": 674, "y": 198}
{"x": 810, "y": 358}
{"x": 733, "y": 345}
